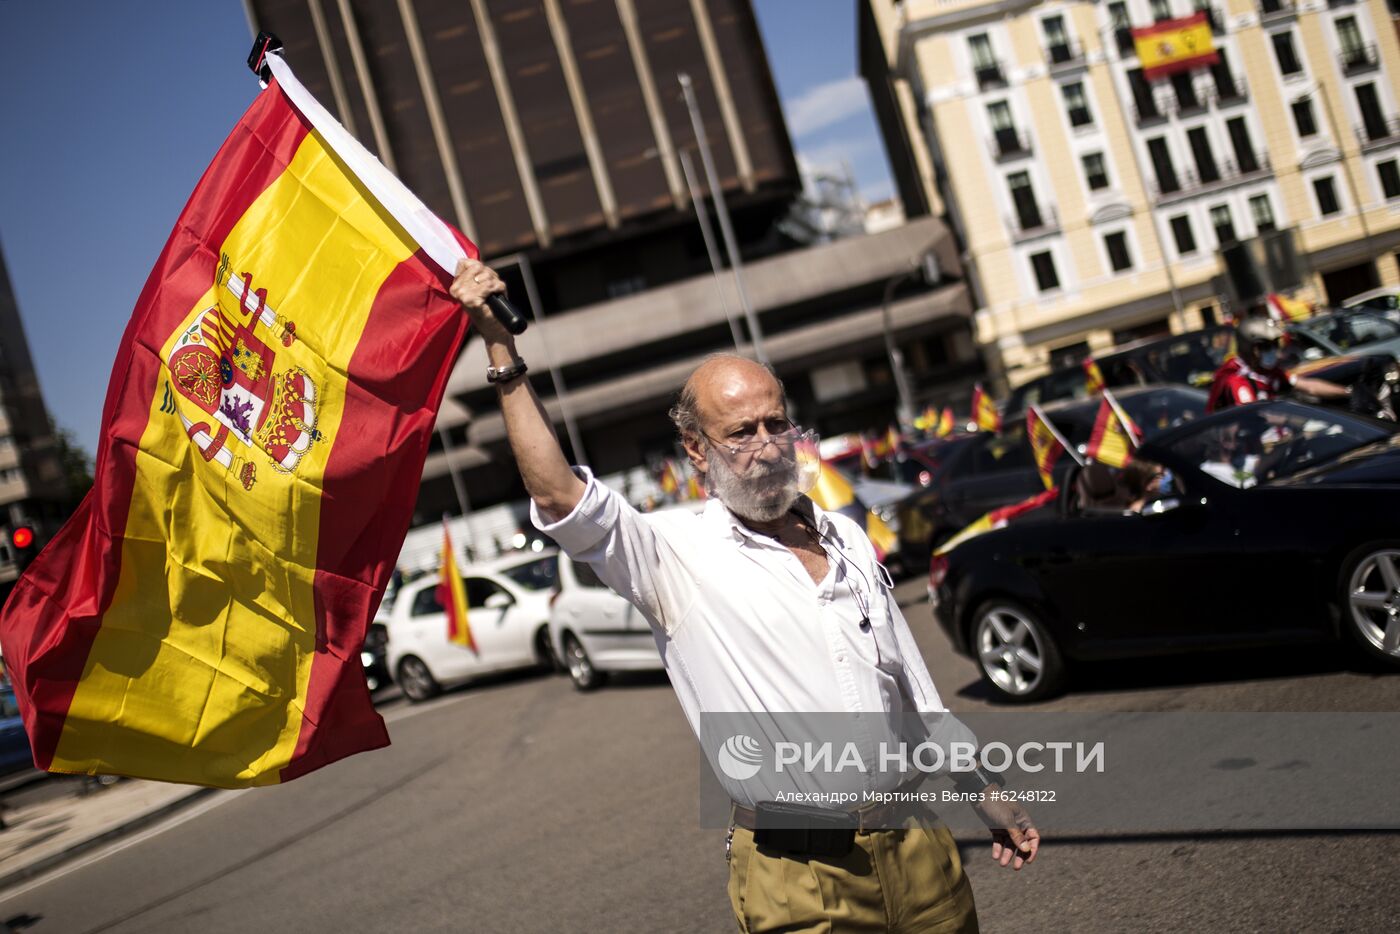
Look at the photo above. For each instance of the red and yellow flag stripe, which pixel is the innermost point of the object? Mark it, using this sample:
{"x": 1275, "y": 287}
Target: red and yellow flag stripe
{"x": 452, "y": 594}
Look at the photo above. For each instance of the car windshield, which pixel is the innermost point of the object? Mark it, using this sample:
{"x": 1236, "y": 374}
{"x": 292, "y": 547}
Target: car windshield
{"x": 1190, "y": 360}
{"x": 1071, "y": 383}
{"x": 1267, "y": 441}
{"x": 1350, "y": 331}
{"x": 535, "y": 575}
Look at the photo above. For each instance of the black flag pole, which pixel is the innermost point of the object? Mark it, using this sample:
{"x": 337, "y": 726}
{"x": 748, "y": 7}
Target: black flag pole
{"x": 268, "y": 44}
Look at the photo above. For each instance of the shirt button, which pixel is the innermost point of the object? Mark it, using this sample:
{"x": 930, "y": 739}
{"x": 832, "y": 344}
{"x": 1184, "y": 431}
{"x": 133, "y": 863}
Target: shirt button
{"x": 841, "y": 659}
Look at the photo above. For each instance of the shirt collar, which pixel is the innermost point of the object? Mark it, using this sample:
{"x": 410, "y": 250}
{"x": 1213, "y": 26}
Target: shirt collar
{"x": 719, "y": 515}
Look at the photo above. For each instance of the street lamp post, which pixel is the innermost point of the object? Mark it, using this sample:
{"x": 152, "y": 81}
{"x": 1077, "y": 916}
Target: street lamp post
{"x": 905, "y": 409}
{"x": 726, "y": 229}
{"x": 703, "y": 217}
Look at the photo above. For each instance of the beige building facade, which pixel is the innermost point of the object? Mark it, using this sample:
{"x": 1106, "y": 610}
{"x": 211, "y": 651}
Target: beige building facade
{"x": 1095, "y": 206}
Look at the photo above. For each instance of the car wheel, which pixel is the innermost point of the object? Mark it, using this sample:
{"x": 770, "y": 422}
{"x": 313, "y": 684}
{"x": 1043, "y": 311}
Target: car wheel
{"x": 544, "y": 652}
{"x": 581, "y": 670}
{"x": 1371, "y": 601}
{"x": 1017, "y": 656}
{"x": 416, "y": 681}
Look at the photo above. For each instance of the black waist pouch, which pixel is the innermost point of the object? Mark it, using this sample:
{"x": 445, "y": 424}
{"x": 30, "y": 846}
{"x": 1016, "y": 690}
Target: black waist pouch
{"x": 807, "y": 831}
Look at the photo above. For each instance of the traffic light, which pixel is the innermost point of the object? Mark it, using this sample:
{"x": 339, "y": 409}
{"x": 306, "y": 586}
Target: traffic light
{"x": 23, "y": 544}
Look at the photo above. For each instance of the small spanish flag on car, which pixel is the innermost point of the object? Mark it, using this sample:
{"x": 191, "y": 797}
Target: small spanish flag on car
{"x": 1114, "y": 436}
{"x": 1046, "y": 445}
{"x": 1093, "y": 377}
{"x": 452, "y": 594}
{"x": 1287, "y": 310}
{"x": 1175, "y": 45}
{"x": 984, "y": 410}
{"x": 996, "y": 519}
{"x": 833, "y": 492}
{"x": 946, "y": 423}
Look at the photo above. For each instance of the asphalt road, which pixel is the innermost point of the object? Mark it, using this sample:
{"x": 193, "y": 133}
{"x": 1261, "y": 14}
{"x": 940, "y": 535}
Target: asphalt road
{"x": 522, "y": 805}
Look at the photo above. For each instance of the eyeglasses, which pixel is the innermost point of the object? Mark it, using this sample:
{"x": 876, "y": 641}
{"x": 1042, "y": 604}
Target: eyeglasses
{"x": 787, "y": 438}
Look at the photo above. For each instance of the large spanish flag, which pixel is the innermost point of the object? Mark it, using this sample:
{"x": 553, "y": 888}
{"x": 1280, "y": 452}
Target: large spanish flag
{"x": 201, "y": 616}
{"x": 1175, "y": 45}
{"x": 452, "y": 594}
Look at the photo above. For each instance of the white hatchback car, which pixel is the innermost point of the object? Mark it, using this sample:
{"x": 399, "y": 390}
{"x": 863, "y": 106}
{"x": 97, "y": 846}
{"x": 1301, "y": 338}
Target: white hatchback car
{"x": 594, "y": 631}
{"x": 508, "y": 612}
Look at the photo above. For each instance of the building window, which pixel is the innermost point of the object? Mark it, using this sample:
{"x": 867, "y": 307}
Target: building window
{"x": 1286, "y": 54}
{"x": 1028, "y": 216}
{"x": 1245, "y": 159}
{"x": 1181, "y": 232}
{"x": 1144, "y": 102}
{"x": 1217, "y": 26}
{"x": 1206, "y": 169}
{"x": 1185, "y": 87}
{"x": 1004, "y": 134}
{"x": 1122, "y": 27}
{"x": 1272, "y": 7}
{"x": 1303, "y": 118}
{"x": 1223, "y": 223}
{"x": 985, "y": 66}
{"x": 1057, "y": 44}
{"x": 1372, "y": 120}
{"x": 1353, "y": 51}
{"x": 1389, "y": 172}
{"x": 1076, "y": 104}
{"x": 1046, "y": 278}
{"x": 1162, "y": 165}
{"x": 1326, "y": 191}
{"x": 1116, "y": 244}
{"x": 1263, "y": 213}
{"x": 1161, "y": 9}
{"x": 1095, "y": 171}
{"x": 1227, "y": 89}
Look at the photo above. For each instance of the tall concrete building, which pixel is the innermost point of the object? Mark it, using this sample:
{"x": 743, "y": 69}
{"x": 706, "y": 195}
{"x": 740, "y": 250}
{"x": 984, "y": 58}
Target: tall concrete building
{"x": 1095, "y": 206}
{"x": 33, "y": 488}
{"x": 552, "y": 132}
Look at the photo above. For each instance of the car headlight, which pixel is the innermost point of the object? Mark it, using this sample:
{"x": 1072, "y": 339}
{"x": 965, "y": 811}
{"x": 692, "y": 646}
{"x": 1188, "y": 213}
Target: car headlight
{"x": 366, "y": 658}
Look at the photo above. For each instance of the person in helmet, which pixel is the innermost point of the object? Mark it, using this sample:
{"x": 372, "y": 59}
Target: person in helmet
{"x": 1253, "y": 373}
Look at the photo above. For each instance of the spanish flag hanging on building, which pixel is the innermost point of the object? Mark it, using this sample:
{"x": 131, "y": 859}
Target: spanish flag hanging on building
{"x": 1046, "y": 446}
{"x": 834, "y": 493}
{"x": 1175, "y": 45}
{"x": 201, "y": 616}
{"x": 452, "y": 594}
{"x": 984, "y": 410}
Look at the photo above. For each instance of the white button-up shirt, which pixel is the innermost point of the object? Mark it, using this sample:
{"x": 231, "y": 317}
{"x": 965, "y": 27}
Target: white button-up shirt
{"x": 740, "y": 624}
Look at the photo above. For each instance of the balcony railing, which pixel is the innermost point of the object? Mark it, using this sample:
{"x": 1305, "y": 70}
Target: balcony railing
{"x": 1035, "y": 223}
{"x": 989, "y": 74}
{"x": 1376, "y": 133}
{"x": 1009, "y": 143}
{"x": 1227, "y": 172}
{"x": 1064, "y": 54}
{"x": 1359, "y": 58}
{"x": 1269, "y": 9}
{"x": 1232, "y": 92}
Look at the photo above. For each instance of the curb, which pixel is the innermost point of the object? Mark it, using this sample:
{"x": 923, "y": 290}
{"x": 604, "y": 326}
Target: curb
{"x": 136, "y": 822}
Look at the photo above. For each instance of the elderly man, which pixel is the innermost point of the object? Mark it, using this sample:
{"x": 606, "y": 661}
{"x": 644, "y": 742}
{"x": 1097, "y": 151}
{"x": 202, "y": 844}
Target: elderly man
{"x": 764, "y": 603}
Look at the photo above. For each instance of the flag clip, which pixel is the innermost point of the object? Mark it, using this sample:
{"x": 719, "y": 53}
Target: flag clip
{"x": 263, "y": 45}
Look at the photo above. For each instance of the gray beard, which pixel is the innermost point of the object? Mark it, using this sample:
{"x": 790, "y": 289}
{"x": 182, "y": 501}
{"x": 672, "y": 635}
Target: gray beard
{"x": 763, "y": 494}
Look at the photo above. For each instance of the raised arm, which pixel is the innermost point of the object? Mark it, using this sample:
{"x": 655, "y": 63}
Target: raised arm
{"x": 548, "y": 478}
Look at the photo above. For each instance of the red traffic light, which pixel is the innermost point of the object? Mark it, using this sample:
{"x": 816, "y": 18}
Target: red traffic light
{"x": 22, "y": 537}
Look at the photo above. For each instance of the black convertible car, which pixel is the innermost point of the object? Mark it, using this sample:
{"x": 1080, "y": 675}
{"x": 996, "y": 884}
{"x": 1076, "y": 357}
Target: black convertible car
{"x": 1276, "y": 522}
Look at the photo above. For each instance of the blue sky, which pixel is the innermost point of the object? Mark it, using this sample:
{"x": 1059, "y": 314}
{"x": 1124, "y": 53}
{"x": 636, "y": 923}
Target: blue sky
{"x": 112, "y": 111}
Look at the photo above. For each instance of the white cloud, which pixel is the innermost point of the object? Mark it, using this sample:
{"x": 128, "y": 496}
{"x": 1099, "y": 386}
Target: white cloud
{"x": 826, "y": 104}
{"x": 832, "y": 154}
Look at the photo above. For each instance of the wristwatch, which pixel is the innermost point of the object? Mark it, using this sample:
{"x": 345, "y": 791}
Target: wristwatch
{"x": 505, "y": 374}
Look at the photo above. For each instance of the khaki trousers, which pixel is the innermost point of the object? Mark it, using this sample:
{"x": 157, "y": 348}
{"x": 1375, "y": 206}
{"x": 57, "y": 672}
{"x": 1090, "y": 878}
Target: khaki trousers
{"x": 906, "y": 880}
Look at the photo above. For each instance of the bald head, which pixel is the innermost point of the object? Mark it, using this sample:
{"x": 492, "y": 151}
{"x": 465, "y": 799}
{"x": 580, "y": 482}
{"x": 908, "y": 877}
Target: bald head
{"x": 726, "y": 388}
